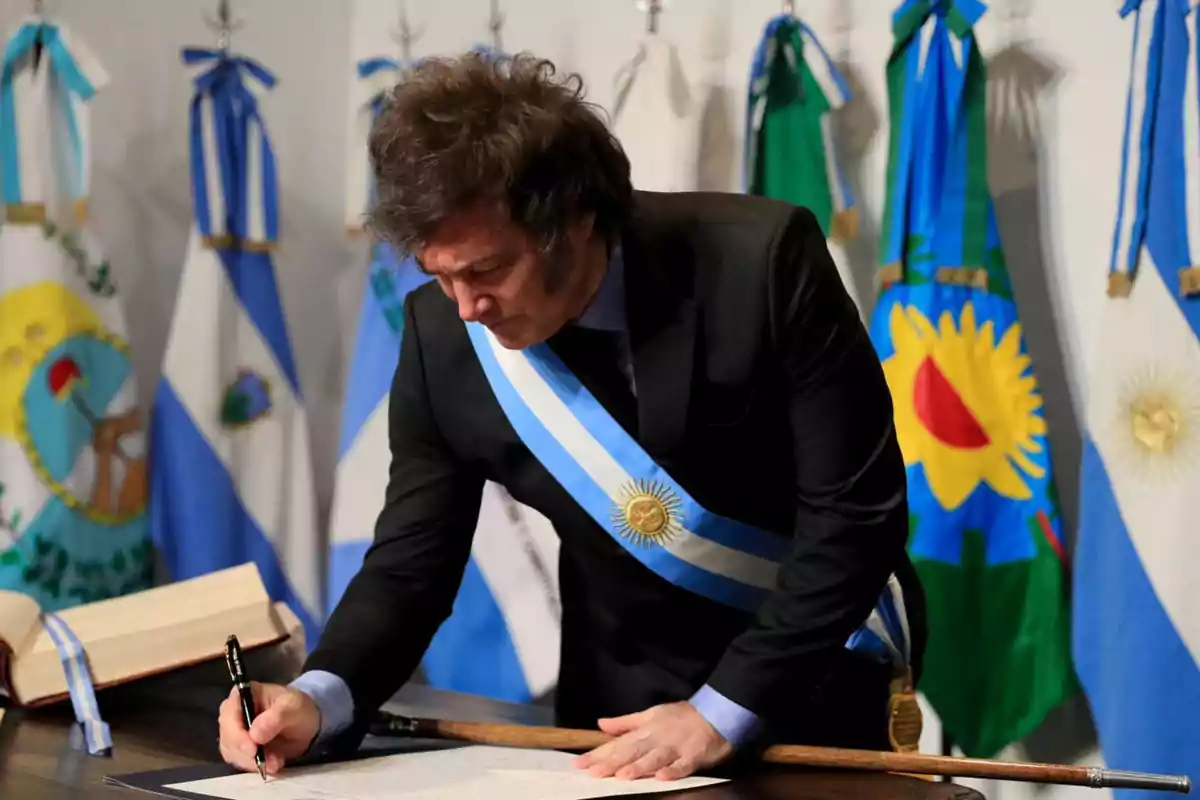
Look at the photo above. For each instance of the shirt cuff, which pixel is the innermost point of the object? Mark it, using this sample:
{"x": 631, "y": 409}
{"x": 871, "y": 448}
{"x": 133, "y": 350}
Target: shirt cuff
{"x": 735, "y": 723}
{"x": 333, "y": 699}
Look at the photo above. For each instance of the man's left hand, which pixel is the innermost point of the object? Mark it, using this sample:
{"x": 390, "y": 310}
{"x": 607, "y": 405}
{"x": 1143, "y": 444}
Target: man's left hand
{"x": 668, "y": 742}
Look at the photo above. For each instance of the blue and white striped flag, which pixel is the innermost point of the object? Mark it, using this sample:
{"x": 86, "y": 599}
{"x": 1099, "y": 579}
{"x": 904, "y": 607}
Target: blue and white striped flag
{"x": 1137, "y": 619}
{"x": 502, "y": 638}
{"x": 231, "y": 466}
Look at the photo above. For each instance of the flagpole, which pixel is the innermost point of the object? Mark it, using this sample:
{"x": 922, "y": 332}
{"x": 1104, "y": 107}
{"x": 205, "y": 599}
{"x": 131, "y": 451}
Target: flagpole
{"x": 495, "y": 25}
{"x": 405, "y": 36}
{"x": 947, "y": 751}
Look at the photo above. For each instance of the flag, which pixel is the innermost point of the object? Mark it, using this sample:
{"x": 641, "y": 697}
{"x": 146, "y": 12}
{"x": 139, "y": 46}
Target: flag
{"x": 985, "y": 532}
{"x": 795, "y": 88}
{"x": 231, "y": 465}
{"x": 656, "y": 119}
{"x": 790, "y": 154}
{"x": 502, "y": 637}
{"x": 73, "y": 523}
{"x": 1137, "y": 621}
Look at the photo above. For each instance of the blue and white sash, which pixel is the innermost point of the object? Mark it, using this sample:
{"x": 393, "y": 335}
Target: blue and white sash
{"x": 643, "y": 508}
{"x": 97, "y": 737}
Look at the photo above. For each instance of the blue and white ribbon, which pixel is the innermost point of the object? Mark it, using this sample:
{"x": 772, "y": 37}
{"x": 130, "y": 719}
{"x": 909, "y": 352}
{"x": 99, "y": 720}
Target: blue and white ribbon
{"x": 96, "y": 733}
{"x": 1191, "y": 141}
{"x": 833, "y": 85}
{"x": 32, "y": 104}
{"x": 375, "y": 77}
{"x": 885, "y": 636}
{"x": 235, "y": 188}
{"x": 597, "y": 462}
{"x": 1141, "y": 104}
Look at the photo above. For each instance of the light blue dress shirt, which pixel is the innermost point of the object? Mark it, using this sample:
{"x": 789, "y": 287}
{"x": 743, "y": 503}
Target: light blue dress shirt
{"x": 737, "y": 724}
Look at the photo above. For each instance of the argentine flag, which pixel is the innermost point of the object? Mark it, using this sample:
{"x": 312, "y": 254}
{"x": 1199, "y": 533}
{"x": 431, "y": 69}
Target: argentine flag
{"x": 231, "y": 465}
{"x": 1137, "y": 619}
{"x": 502, "y": 638}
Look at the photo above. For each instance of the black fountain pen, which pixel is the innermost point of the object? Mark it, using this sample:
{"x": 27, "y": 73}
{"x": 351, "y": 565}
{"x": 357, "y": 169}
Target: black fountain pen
{"x": 233, "y": 658}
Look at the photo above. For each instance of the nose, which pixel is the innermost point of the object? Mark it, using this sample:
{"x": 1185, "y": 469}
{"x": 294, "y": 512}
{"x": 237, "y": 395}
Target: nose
{"x": 471, "y": 305}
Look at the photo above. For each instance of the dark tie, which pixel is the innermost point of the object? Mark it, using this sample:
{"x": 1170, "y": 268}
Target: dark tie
{"x": 596, "y": 358}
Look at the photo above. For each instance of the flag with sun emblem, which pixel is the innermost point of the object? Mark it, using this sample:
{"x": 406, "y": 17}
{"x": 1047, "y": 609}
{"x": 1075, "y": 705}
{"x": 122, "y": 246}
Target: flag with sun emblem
{"x": 985, "y": 530}
{"x": 502, "y": 637}
{"x": 72, "y": 446}
{"x": 1137, "y": 619}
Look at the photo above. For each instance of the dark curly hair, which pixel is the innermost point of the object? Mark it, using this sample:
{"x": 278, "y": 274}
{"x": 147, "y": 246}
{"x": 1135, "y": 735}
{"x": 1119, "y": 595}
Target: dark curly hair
{"x": 482, "y": 128}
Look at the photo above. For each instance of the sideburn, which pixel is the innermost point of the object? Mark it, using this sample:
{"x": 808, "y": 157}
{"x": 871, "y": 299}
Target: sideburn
{"x": 557, "y": 268}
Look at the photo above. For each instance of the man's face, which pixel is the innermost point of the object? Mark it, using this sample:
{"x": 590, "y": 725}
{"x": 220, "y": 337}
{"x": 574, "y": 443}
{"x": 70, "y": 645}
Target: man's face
{"x": 494, "y": 271}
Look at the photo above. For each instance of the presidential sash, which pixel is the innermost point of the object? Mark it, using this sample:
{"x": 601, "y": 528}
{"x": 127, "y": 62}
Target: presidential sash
{"x": 642, "y": 507}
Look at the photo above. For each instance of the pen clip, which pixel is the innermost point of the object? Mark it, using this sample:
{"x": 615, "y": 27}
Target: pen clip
{"x": 233, "y": 659}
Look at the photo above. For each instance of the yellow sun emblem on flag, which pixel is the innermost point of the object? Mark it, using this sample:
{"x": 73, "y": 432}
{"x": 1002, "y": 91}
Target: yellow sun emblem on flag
{"x": 964, "y": 406}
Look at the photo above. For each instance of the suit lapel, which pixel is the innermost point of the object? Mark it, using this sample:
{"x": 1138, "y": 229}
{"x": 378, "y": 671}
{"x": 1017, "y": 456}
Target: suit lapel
{"x": 662, "y": 332}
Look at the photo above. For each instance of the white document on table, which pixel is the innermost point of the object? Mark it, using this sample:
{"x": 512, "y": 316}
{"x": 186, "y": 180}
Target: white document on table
{"x": 494, "y": 773}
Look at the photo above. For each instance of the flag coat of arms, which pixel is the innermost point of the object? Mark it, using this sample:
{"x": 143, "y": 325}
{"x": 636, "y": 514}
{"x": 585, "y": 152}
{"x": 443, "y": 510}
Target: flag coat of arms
{"x": 985, "y": 527}
{"x": 790, "y": 152}
{"x": 73, "y": 525}
{"x": 231, "y": 466}
{"x": 501, "y": 639}
{"x": 1137, "y": 619}
{"x": 656, "y": 118}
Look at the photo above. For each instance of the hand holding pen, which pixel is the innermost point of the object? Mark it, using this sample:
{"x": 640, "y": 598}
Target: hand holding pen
{"x": 263, "y": 725}
{"x": 241, "y": 685}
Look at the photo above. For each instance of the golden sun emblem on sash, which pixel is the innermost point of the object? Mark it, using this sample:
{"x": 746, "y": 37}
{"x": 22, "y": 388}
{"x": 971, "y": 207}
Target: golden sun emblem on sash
{"x": 647, "y": 513}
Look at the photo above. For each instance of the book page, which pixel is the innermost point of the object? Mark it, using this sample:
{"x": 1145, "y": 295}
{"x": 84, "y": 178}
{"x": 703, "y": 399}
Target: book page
{"x": 19, "y": 618}
{"x": 140, "y": 634}
{"x": 495, "y": 773}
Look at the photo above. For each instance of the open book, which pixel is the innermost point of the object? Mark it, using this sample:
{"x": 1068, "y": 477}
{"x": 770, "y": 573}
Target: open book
{"x": 138, "y": 635}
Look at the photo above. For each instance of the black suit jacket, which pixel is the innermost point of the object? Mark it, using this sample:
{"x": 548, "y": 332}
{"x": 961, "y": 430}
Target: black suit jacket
{"x": 757, "y": 389}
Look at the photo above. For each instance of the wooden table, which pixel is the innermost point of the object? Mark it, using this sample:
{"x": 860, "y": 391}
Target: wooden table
{"x": 171, "y": 722}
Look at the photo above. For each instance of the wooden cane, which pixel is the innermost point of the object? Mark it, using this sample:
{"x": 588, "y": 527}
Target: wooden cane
{"x": 569, "y": 739}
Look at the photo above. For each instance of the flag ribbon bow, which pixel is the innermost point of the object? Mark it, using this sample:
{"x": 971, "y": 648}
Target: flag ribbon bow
{"x": 23, "y": 140}
{"x": 1159, "y": 152}
{"x": 818, "y": 89}
{"x": 374, "y": 72}
{"x": 234, "y": 179}
{"x": 938, "y": 221}
{"x": 376, "y": 76}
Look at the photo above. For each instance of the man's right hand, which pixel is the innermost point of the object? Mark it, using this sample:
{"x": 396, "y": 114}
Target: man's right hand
{"x": 286, "y": 722}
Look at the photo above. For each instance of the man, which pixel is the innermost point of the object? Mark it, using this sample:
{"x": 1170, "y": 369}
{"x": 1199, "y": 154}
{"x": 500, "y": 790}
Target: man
{"x": 681, "y": 384}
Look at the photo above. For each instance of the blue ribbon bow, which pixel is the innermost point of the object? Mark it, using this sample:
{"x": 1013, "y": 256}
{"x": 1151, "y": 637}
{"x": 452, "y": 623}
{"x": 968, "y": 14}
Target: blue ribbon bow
{"x": 235, "y": 117}
{"x": 1130, "y": 6}
{"x": 66, "y": 70}
{"x": 369, "y": 67}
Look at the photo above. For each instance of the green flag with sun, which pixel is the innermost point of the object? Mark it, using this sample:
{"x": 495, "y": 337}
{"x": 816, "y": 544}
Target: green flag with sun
{"x": 985, "y": 529}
